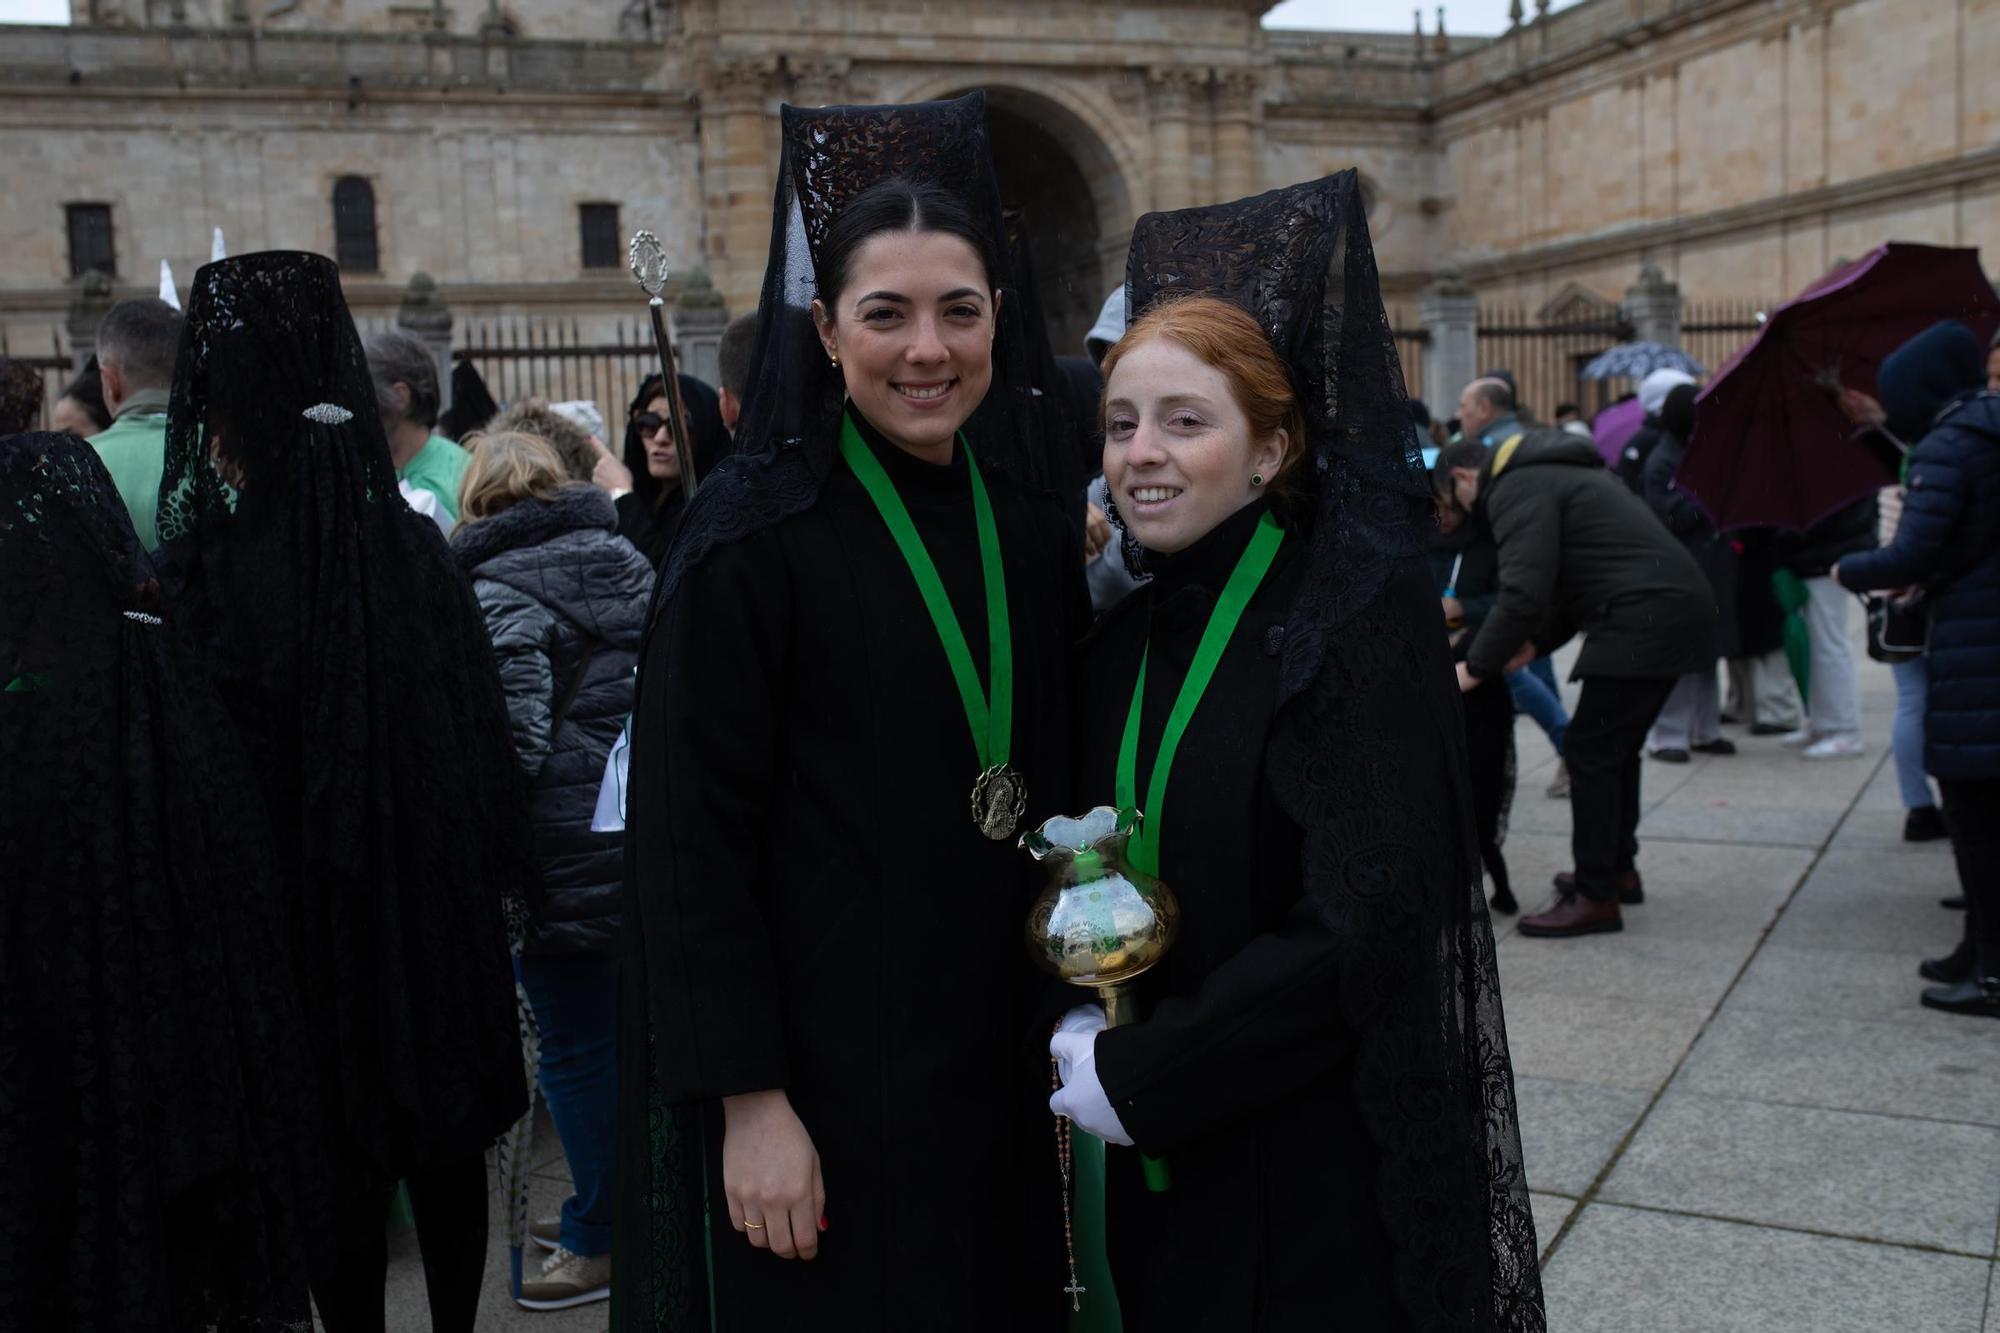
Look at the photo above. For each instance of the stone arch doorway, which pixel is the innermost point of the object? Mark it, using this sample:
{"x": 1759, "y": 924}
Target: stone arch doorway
{"x": 1072, "y": 193}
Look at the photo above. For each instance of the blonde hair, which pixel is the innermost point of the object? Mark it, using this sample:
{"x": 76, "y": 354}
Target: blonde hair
{"x": 507, "y": 467}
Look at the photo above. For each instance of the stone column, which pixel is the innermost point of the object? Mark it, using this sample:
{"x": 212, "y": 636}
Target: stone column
{"x": 1170, "y": 102}
{"x": 93, "y": 300}
{"x": 424, "y": 316}
{"x": 1238, "y": 155}
{"x": 697, "y": 321}
{"x": 738, "y": 172}
{"x": 1449, "y": 311}
{"x": 1652, "y": 306}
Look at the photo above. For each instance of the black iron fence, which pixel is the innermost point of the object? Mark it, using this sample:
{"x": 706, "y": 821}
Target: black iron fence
{"x": 1411, "y": 339}
{"x": 546, "y": 358}
{"x": 1547, "y": 357}
{"x": 1714, "y": 331}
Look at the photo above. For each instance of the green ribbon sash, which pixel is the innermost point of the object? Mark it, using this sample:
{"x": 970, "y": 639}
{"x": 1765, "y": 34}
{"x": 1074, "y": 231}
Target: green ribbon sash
{"x": 992, "y": 727}
{"x": 1244, "y": 580}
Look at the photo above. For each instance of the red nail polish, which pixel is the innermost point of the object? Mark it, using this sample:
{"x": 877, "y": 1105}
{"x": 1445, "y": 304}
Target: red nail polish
{"x": 822, "y": 1221}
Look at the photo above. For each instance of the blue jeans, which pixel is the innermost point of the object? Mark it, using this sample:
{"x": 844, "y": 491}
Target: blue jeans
{"x": 575, "y": 999}
{"x": 1535, "y": 693}
{"x": 1906, "y": 733}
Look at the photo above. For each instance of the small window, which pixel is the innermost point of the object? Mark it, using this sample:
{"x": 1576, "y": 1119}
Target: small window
{"x": 90, "y": 239}
{"x": 600, "y": 235}
{"x": 354, "y": 245}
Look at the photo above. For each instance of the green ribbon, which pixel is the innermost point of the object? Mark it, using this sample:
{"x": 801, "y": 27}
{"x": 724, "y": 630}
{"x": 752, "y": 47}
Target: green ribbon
{"x": 992, "y": 728}
{"x": 1144, "y": 849}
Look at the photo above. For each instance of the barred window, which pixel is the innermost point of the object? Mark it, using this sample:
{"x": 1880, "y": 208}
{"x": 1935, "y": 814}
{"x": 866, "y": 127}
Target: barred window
{"x": 354, "y": 246}
{"x": 599, "y": 223}
{"x": 90, "y": 245}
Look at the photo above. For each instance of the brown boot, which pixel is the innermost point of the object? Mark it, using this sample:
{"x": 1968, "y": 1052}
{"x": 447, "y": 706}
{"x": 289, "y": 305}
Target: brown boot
{"x": 1573, "y": 914}
{"x": 1631, "y": 891}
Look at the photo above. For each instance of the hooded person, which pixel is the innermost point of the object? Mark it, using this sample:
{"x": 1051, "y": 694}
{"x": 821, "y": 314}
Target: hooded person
{"x": 472, "y": 405}
{"x": 853, "y": 695}
{"x": 1278, "y": 705}
{"x": 350, "y": 652}
{"x": 650, "y": 513}
{"x": 1653, "y": 391}
{"x": 160, "y": 1153}
{"x": 1944, "y": 544}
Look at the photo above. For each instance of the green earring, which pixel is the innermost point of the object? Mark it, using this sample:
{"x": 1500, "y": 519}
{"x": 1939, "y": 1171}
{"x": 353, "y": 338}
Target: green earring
{"x": 1256, "y": 479}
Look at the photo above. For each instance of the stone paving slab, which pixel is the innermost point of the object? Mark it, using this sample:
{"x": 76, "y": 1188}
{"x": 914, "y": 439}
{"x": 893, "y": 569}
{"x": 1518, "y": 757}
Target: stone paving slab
{"x": 1663, "y": 968}
{"x": 1613, "y": 1040}
{"x": 1570, "y": 1130}
{"x": 1941, "y": 1069}
{"x": 1917, "y": 1182}
{"x": 1622, "y": 1270}
{"x": 1551, "y": 1211}
{"x": 1849, "y": 983}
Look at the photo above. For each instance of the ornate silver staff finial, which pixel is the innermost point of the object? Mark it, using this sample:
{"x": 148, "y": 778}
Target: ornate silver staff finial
{"x": 648, "y": 259}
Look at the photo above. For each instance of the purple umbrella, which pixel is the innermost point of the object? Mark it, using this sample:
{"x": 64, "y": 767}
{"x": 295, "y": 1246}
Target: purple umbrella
{"x": 1615, "y": 425}
{"x": 1770, "y": 447}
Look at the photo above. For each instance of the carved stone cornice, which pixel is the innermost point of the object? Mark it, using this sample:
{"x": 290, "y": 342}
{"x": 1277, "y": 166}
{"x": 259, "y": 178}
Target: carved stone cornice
{"x": 819, "y": 80}
{"x": 739, "y": 82}
{"x": 1239, "y": 93}
{"x": 1171, "y": 89}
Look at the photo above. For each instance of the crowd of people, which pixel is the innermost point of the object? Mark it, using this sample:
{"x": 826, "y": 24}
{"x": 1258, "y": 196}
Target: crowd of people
{"x": 318, "y": 695}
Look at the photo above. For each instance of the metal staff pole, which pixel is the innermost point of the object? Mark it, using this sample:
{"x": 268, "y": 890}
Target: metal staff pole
{"x": 648, "y": 259}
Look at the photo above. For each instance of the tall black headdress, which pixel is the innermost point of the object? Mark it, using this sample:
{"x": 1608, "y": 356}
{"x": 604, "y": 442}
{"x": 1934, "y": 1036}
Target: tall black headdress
{"x": 158, "y": 1156}
{"x": 1368, "y": 754}
{"x": 354, "y": 661}
{"x": 789, "y": 435}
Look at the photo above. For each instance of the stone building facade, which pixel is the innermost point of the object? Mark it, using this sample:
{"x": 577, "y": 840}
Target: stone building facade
{"x": 1739, "y": 145}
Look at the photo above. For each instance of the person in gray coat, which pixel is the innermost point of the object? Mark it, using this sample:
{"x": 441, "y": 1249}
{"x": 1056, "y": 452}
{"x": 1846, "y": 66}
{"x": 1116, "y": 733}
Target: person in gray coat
{"x": 565, "y": 601}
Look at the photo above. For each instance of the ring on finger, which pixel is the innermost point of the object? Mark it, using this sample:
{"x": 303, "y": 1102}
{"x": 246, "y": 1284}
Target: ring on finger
{"x": 753, "y": 1226}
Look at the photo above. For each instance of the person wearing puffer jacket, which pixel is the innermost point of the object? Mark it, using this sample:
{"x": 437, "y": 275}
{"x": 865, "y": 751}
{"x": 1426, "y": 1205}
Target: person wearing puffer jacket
{"x": 1948, "y": 543}
{"x": 565, "y": 601}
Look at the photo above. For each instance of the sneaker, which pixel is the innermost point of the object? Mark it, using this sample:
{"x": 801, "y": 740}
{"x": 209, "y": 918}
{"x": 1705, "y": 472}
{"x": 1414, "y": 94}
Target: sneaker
{"x": 546, "y": 1232}
{"x": 1923, "y": 824}
{"x": 567, "y": 1280}
{"x": 1798, "y": 738}
{"x": 1559, "y": 788}
{"x": 1834, "y": 747}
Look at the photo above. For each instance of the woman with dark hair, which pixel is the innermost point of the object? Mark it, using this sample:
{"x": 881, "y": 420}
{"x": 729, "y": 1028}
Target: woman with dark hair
{"x": 354, "y": 662}
{"x": 650, "y": 513}
{"x": 1323, "y": 1061}
{"x": 853, "y": 698}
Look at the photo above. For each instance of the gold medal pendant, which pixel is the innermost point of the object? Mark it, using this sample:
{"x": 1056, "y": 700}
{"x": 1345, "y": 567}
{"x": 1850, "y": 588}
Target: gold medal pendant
{"x": 999, "y": 799}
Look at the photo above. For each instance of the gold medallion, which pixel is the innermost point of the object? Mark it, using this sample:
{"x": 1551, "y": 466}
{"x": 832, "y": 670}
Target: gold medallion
{"x": 999, "y": 799}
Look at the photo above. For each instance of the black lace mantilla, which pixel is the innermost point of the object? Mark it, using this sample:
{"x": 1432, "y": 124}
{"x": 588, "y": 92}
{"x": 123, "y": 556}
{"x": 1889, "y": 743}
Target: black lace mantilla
{"x": 1368, "y": 754}
{"x": 352, "y": 656}
{"x": 791, "y": 419}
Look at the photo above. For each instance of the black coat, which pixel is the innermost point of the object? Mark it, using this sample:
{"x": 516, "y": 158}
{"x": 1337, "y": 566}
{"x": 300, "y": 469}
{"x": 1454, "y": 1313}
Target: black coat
{"x": 1689, "y": 522}
{"x": 1631, "y": 465}
{"x": 556, "y": 583}
{"x": 1579, "y": 552}
{"x": 1241, "y": 1073}
{"x": 837, "y": 926}
{"x": 1949, "y": 541}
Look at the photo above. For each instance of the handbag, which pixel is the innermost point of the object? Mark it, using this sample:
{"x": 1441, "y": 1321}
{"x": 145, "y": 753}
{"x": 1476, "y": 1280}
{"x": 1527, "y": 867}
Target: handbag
{"x": 1899, "y": 628}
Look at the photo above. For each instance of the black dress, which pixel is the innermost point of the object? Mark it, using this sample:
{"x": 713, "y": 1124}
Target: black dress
{"x": 826, "y": 918}
{"x": 1240, "y": 1074}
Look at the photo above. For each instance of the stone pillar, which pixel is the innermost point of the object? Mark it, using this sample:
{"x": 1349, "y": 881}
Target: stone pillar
{"x": 87, "y": 309}
{"x": 1652, "y": 306}
{"x": 697, "y": 321}
{"x": 1449, "y": 311}
{"x": 424, "y": 316}
{"x": 1238, "y": 155}
{"x": 1170, "y": 102}
{"x": 738, "y": 173}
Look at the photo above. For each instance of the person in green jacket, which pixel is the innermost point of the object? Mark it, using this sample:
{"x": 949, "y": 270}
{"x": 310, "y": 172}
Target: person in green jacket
{"x": 136, "y": 345}
{"x": 406, "y": 391}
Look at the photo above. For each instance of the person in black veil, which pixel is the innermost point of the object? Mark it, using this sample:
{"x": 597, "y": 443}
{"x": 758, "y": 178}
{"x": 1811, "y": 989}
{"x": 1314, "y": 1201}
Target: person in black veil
{"x": 1324, "y": 1064}
{"x": 825, "y": 990}
{"x": 157, "y": 1100}
{"x": 355, "y": 665}
{"x": 650, "y": 513}
{"x": 472, "y": 405}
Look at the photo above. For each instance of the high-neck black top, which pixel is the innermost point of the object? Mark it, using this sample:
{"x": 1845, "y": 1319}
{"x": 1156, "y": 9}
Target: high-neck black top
{"x": 1239, "y": 1074}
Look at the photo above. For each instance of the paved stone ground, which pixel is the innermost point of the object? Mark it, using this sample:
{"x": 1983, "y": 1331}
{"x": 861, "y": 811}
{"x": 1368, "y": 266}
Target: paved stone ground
{"x": 1736, "y": 1115}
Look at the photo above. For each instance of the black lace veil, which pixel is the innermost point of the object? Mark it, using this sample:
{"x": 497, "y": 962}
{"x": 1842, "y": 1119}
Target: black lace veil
{"x": 1368, "y": 753}
{"x": 788, "y": 436}
{"x": 353, "y": 659}
{"x": 160, "y": 1120}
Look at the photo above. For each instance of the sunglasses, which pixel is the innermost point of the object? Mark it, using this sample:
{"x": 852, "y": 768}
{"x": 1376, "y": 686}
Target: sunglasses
{"x": 649, "y": 422}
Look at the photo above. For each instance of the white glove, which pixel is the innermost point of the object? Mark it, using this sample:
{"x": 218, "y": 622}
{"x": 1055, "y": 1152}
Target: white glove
{"x": 1081, "y": 1099}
